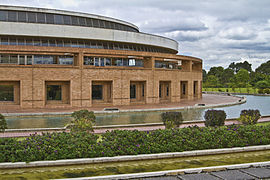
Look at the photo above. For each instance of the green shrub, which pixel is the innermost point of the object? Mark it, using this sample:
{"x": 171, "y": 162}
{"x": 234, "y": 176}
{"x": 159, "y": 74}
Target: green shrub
{"x": 260, "y": 91}
{"x": 214, "y": 118}
{"x": 249, "y": 116}
{"x": 53, "y": 146}
{"x": 3, "y": 123}
{"x": 172, "y": 119}
{"x": 83, "y": 120}
{"x": 266, "y": 91}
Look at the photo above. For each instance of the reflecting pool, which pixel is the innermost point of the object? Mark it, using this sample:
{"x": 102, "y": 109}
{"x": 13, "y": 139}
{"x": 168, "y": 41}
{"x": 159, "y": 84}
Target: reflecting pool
{"x": 253, "y": 102}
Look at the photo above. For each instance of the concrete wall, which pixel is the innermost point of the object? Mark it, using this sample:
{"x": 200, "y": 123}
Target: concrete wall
{"x": 77, "y": 32}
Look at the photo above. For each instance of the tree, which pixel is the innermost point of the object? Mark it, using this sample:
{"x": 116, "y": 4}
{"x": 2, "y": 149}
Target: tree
{"x": 242, "y": 78}
{"x": 262, "y": 84}
{"x": 204, "y": 75}
{"x": 264, "y": 68}
{"x": 242, "y": 65}
{"x": 216, "y": 71}
{"x": 212, "y": 81}
{"x": 226, "y": 77}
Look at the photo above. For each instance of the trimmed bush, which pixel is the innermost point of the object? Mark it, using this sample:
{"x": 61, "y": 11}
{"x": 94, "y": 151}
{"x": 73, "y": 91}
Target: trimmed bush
{"x": 3, "y": 123}
{"x": 249, "y": 116}
{"x": 84, "y": 120}
{"x": 53, "y": 146}
{"x": 172, "y": 119}
{"x": 214, "y": 118}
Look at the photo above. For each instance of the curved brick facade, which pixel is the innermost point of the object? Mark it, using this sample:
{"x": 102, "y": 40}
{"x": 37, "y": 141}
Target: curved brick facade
{"x": 115, "y": 67}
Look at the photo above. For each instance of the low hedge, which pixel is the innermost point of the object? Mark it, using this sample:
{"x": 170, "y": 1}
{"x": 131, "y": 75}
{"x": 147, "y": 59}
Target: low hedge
{"x": 123, "y": 142}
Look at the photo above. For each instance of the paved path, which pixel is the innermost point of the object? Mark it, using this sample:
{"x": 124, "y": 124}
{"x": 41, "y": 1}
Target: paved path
{"x": 208, "y": 99}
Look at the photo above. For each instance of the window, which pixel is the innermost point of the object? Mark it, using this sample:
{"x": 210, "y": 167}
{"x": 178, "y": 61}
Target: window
{"x": 68, "y": 60}
{"x": 40, "y": 18}
{"x": 22, "y": 60}
{"x": 139, "y": 63}
{"x": 58, "y": 19}
{"x": 97, "y": 92}
{"x": 49, "y": 18}
{"x": 12, "y": 16}
{"x": 95, "y": 23}
{"x": 74, "y": 20}
{"x": 12, "y": 42}
{"x": 32, "y": 17}
{"x": 67, "y": 20}
{"x": 4, "y": 41}
{"x": 44, "y": 59}
{"x": 108, "y": 61}
{"x": 82, "y": 21}
{"x": 29, "y": 60}
{"x": 44, "y": 43}
{"x": 54, "y": 92}
{"x": 131, "y": 62}
{"x": 132, "y": 91}
{"x": 13, "y": 59}
{"x": 4, "y": 59}
{"x": 3, "y": 15}
{"x": 89, "y": 22}
{"x": 22, "y": 16}
{"x": 6, "y": 93}
{"x": 88, "y": 60}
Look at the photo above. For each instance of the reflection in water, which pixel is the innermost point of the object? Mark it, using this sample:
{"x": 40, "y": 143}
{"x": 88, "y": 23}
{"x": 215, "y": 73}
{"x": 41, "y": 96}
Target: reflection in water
{"x": 253, "y": 102}
{"x": 134, "y": 166}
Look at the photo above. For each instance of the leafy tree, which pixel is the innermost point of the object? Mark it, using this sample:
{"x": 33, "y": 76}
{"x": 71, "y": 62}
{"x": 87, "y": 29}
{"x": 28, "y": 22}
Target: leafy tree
{"x": 262, "y": 84}
{"x": 242, "y": 65}
{"x": 204, "y": 75}
{"x": 227, "y": 75}
{"x": 264, "y": 68}
{"x": 212, "y": 81}
{"x": 242, "y": 78}
{"x": 216, "y": 71}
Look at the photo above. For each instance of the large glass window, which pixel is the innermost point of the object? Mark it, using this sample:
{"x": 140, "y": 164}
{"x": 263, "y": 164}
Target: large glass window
{"x": 3, "y": 15}
{"x": 41, "y": 18}
{"x": 6, "y": 93}
{"x": 97, "y": 93}
{"x": 22, "y": 16}
{"x": 12, "y": 16}
{"x": 82, "y": 21}
{"x": 58, "y": 19}
{"x": 32, "y": 17}
{"x": 74, "y": 20}
{"x": 50, "y": 18}
{"x": 67, "y": 20}
{"x": 4, "y": 59}
{"x": 4, "y": 41}
{"x": 54, "y": 92}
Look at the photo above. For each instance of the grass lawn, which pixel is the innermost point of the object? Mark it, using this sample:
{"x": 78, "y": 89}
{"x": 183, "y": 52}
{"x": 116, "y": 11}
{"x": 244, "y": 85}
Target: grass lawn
{"x": 235, "y": 90}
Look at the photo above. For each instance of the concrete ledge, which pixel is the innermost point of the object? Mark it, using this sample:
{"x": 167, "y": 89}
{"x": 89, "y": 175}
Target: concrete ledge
{"x": 132, "y": 157}
{"x": 180, "y": 171}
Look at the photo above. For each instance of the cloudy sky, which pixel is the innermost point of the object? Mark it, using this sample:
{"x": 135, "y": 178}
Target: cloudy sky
{"x": 220, "y": 32}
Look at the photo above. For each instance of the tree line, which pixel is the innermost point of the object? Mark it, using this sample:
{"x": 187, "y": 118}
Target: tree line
{"x": 238, "y": 75}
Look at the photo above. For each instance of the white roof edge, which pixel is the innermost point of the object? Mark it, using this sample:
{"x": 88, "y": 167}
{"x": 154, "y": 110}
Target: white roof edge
{"x": 65, "y": 12}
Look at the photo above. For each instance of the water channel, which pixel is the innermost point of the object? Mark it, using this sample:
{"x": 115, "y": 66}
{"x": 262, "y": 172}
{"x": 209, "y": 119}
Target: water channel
{"x": 253, "y": 102}
{"x": 113, "y": 168}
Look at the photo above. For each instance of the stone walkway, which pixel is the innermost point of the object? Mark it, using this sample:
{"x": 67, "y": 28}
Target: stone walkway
{"x": 208, "y": 99}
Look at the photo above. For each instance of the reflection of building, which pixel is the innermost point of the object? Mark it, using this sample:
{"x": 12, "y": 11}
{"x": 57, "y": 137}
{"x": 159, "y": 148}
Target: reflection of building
{"x": 52, "y": 58}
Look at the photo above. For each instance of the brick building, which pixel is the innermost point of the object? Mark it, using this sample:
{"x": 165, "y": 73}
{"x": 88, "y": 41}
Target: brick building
{"x": 56, "y": 59}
